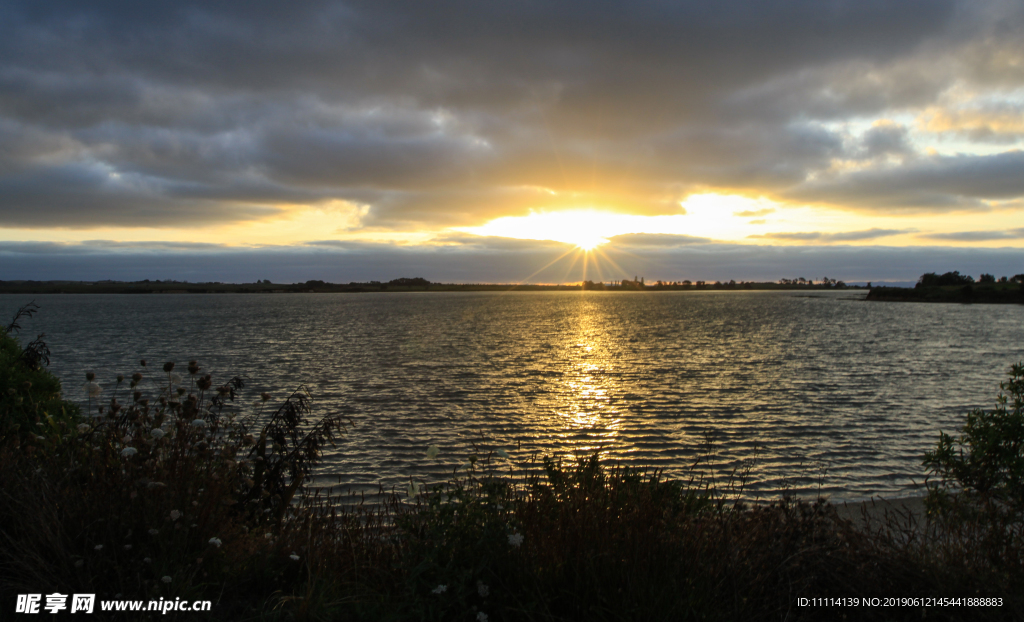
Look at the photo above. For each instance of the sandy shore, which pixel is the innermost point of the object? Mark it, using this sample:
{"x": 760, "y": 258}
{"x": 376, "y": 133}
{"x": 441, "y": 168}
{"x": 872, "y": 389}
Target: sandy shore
{"x": 873, "y": 512}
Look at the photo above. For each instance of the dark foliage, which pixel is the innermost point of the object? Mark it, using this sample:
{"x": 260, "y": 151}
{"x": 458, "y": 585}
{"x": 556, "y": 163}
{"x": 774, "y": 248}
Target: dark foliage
{"x": 932, "y": 279}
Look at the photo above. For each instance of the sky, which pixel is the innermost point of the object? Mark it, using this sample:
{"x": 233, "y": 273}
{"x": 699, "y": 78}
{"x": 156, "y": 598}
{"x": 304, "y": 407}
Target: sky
{"x": 863, "y": 140}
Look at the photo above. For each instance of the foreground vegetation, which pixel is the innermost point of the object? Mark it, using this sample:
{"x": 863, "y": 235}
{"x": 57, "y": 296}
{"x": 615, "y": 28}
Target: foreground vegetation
{"x": 175, "y": 486}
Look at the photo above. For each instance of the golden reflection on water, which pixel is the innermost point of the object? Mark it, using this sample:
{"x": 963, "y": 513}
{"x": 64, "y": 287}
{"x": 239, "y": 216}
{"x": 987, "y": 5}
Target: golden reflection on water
{"x": 586, "y": 420}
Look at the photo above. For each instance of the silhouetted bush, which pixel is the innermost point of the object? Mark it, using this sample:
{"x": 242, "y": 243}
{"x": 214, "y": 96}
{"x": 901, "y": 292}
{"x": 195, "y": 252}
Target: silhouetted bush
{"x": 980, "y": 471}
{"x": 931, "y": 279}
{"x": 31, "y": 407}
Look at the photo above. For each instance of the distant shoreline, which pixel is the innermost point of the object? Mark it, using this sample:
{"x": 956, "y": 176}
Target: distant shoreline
{"x": 976, "y": 293}
{"x": 177, "y": 287}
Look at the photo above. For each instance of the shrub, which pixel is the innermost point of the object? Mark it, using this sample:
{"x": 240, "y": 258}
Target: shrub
{"x": 932, "y": 279}
{"x": 31, "y": 407}
{"x": 174, "y": 489}
{"x": 980, "y": 471}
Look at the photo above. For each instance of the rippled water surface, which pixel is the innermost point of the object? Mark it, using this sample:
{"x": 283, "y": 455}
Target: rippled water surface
{"x": 818, "y": 391}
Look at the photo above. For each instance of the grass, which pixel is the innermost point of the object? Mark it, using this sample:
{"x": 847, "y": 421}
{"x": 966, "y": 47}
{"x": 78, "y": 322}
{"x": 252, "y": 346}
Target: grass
{"x": 183, "y": 489}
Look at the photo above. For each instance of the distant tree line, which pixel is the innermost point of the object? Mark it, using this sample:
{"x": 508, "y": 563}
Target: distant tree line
{"x": 931, "y": 279}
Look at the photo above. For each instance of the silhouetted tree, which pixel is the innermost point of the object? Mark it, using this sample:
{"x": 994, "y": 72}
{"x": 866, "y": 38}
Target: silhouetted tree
{"x": 930, "y": 279}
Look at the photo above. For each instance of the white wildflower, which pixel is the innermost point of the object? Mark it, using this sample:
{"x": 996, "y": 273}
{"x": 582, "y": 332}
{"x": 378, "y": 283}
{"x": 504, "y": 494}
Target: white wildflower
{"x": 128, "y": 451}
{"x": 175, "y": 514}
{"x": 503, "y": 453}
{"x": 199, "y": 423}
{"x": 154, "y": 532}
{"x": 98, "y": 547}
{"x": 482, "y": 589}
{"x": 293, "y": 556}
{"x": 157, "y": 433}
{"x": 175, "y": 378}
{"x": 216, "y": 542}
{"x": 92, "y": 389}
{"x": 441, "y": 589}
{"x": 481, "y": 617}
{"x": 414, "y": 489}
{"x": 84, "y": 427}
{"x": 166, "y": 579}
{"x": 515, "y": 539}
{"x": 432, "y": 451}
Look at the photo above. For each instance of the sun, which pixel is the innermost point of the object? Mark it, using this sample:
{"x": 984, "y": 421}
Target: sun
{"x": 585, "y": 228}
{"x": 590, "y": 243}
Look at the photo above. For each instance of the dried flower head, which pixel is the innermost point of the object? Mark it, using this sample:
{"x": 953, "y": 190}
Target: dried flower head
{"x": 90, "y": 376}
{"x": 168, "y": 366}
{"x": 193, "y": 367}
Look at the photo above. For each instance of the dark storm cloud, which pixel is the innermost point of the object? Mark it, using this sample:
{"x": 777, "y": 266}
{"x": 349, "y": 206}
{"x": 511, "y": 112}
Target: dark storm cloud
{"x": 884, "y": 140}
{"x": 127, "y": 113}
{"x": 939, "y": 183}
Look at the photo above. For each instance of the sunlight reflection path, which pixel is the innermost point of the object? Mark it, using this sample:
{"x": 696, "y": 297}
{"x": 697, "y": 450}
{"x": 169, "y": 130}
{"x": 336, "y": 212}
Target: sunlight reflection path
{"x": 587, "y": 419}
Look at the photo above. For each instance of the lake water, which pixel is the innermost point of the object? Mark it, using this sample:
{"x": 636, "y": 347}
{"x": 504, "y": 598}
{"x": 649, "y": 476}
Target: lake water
{"x": 821, "y": 390}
